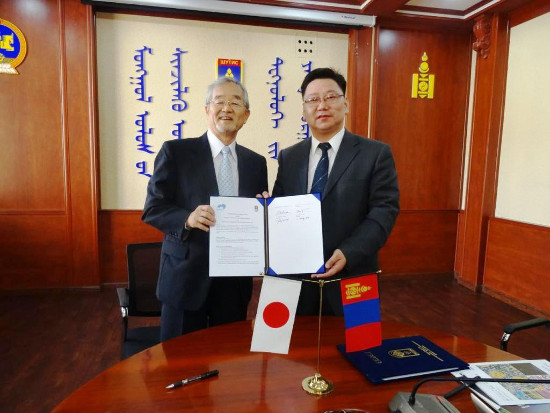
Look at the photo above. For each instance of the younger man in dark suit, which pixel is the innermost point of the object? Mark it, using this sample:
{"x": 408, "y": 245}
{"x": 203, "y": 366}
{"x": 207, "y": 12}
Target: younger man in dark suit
{"x": 187, "y": 172}
{"x": 358, "y": 182}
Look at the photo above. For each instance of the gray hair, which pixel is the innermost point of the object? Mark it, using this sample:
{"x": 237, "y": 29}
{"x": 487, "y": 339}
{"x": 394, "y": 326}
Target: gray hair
{"x": 221, "y": 81}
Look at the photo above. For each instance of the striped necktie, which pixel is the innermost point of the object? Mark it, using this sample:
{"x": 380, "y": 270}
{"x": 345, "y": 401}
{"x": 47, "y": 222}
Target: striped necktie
{"x": 225, "y": 176}
{"x": 320, "y": 177}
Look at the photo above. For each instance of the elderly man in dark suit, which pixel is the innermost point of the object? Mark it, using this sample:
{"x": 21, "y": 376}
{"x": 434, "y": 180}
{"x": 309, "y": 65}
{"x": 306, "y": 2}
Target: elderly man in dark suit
{"x": 357, "y": 180}
{"x": 187, "y": 172}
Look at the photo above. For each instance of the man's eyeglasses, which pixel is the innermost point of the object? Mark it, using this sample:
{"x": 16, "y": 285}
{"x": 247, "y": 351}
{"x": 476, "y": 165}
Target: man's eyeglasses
{"x": 233, "y": 104}
{"x": 328, "y": 99}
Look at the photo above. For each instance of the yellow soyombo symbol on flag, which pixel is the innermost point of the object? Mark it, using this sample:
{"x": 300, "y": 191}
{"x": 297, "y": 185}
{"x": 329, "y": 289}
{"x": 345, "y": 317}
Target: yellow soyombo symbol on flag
{"x": 422, "y": 82}
{"x": 355, "y": 290}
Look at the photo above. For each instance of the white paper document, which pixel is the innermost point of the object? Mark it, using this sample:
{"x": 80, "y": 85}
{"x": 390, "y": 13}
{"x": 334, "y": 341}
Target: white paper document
{"x": 506, "y": 394}
{"x": 253, "y": 236}
{"x": 295, "y": 235}
{"x": 237, "y": 238}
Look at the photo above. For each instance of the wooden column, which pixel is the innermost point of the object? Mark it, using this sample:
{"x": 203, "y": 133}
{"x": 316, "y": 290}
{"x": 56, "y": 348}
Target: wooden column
{"x": 359, "y": 80}
{"x": 81, "y": 139}
{"x": 491, "y": 43}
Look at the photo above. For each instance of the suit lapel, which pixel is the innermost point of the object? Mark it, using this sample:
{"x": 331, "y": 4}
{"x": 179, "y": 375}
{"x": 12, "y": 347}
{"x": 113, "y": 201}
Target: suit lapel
{"x": 245, "y": 179}
{"x": 347, "y": 151}
{"x": 205, "y": 164}
{"x": 302, "y": 166}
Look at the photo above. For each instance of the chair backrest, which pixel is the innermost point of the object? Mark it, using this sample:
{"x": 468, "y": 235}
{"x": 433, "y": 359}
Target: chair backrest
{"x": 143, "y": 271}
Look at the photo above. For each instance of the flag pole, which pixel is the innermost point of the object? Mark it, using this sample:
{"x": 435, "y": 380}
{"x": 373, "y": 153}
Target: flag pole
{"x": 317, "y": 384}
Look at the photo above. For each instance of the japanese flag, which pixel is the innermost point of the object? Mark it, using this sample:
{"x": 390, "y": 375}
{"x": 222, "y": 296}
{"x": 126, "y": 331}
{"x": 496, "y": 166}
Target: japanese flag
{"x": 275, "y": 316}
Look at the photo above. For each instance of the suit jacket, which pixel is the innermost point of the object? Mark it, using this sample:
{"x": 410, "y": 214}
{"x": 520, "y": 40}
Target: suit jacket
{"x": 359, "y": 203}
{"x": 184, "y": 178}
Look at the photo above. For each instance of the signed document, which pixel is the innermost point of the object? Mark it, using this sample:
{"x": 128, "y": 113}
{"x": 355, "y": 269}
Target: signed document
{"x": 255, "y": 236}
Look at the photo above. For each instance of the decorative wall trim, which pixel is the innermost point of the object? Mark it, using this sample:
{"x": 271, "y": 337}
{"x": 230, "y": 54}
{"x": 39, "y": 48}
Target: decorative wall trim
{"x": 490, "y": 87}
{"x": 482, "y": 33}
{"x": 359, "y": 79}
{"x": 529, "y": 11}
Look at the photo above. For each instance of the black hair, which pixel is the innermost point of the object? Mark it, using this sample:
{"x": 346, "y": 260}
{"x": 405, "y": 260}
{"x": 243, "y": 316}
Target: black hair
{"x": 324, "y": 73}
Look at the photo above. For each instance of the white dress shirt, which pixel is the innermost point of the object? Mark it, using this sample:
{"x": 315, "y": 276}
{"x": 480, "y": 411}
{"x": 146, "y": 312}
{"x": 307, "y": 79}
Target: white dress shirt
{"x": 316, "y": 153}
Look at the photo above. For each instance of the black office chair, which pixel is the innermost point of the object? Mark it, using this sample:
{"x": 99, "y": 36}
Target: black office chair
{"x": 522, "y": 325}
{"x": 139, "y": 299}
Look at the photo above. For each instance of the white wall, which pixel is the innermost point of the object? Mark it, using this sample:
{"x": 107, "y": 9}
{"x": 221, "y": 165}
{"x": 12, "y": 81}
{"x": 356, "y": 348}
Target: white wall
{"x": 118, "y": 38}
{"x": 524, "y": 170}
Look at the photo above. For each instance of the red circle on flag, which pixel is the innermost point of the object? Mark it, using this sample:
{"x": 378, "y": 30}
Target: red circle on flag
{"x": 276, "y": 314}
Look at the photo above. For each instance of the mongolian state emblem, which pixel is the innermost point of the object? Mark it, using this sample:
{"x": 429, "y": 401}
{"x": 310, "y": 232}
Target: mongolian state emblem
{"x": 13, "y": 47}
{"x": 230, "y": 68}
{"x": 423, "y": 83}
{"x": 403, "y": 352}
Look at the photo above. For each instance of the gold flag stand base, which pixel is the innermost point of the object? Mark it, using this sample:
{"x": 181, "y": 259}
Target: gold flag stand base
{"x": 317, "y": 385}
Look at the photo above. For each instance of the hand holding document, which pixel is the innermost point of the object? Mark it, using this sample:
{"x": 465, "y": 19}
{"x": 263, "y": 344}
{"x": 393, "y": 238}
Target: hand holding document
{"x": 255, "y": 236}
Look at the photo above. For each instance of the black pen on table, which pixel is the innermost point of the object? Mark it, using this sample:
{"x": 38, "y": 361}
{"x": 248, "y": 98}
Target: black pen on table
{"x": 192, "y": 379}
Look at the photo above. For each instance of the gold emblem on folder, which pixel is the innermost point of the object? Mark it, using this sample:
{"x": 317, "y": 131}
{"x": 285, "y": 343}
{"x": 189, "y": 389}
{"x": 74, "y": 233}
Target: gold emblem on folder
{"x": 403, "y": 352}
{"x": 422, "y": 82}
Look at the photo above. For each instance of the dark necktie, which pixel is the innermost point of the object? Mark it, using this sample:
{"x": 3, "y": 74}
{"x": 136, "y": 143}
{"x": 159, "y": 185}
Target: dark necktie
{"x": 321, "y": 172}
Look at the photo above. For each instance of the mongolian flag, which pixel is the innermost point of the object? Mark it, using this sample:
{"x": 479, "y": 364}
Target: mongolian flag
{"x": 275, "y": 317}
{"x": 362, "y": 312}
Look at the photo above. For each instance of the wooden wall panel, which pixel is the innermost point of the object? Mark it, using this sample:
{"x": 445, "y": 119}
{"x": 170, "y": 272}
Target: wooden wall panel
{"x": 34, "y": 250}
{"x": 517, "y": 264}
{"x": 421, "y": 242}
{"x": 50, "y": 233}
{"x": 47, "y": 194}
{"x": 116, "y": 229}
{"x": 427, "y": 135}
{"x": 30, "y": 117}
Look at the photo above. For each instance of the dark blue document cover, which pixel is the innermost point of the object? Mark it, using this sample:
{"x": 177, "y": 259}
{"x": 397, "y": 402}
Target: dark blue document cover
{"x": 401, "y": 358}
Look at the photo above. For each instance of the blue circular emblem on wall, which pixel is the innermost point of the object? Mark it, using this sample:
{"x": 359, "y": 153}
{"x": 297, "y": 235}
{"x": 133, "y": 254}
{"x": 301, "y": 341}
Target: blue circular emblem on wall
{"x": 13, "y": 47}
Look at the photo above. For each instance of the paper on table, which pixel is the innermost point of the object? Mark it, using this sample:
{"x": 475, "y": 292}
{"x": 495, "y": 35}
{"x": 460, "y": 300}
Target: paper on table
{"x": 512, "y": 393}
{"x": 295, "y": 235}
{"x": 237, "y": 238}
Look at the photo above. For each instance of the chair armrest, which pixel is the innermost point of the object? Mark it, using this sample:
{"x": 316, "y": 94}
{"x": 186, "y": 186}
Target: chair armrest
{"x": 124, "y": 300}
{"x": 123, "y": 296}
{"x": 522, "y": 325}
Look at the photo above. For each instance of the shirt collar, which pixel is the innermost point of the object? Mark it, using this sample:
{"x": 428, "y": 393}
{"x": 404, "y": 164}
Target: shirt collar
{"x": 216, "y": 145}
{"x": 335, "y": 141}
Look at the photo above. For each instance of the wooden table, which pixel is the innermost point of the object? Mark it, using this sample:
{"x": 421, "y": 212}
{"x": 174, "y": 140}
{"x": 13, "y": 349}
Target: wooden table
{"x": 259, "y": 382}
